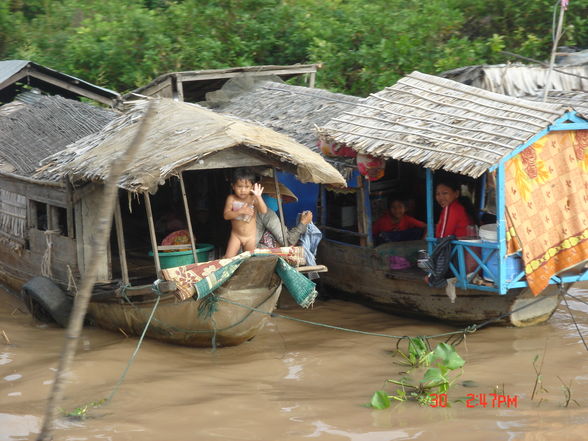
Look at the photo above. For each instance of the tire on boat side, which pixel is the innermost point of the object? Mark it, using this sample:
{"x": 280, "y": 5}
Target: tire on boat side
{"x": 530, "y": 310}
{"x": 46, "y": 301}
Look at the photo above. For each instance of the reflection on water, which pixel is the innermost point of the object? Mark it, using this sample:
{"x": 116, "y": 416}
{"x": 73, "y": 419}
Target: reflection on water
{"x": 294, "y": 381}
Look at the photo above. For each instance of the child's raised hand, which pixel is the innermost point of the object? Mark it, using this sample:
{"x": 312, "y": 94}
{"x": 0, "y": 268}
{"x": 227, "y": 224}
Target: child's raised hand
{"x": 257, "y": 189}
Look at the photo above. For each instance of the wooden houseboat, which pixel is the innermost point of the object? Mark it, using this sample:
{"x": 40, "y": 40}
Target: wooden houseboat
{"x": 525, "y": 165}
{"x": 180, "y": 173}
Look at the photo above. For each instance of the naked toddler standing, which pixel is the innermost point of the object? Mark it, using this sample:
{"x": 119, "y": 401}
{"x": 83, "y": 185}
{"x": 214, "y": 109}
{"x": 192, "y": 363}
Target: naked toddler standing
{"x": 240, "y": 210}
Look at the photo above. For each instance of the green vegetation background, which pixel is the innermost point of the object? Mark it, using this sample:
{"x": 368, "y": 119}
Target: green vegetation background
{"x": 364, "y": 45}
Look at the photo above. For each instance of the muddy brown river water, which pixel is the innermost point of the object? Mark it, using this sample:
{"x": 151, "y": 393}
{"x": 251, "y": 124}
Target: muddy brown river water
{"x": 295, "y": 381}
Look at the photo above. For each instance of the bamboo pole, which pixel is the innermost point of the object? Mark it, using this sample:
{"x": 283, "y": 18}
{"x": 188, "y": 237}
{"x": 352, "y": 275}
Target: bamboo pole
{"x": 82, "y": 299}
{"x": 188, "y": 218}
{"x": 120, "y": 238}
{"x": 280, "y": 209}
{"x": 361, "y": 217}
{"x": 152, "y": 233}
{"x": 556, "y": 38}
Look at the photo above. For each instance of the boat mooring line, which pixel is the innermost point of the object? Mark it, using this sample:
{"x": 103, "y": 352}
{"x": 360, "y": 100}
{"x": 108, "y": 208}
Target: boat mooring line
{"x": 575, "y": 323}
{"x": 339, "y": 328}
{"x": 577, "y": 299}
{"x": 135, "y": 352}
{"x": 463, "y": 332}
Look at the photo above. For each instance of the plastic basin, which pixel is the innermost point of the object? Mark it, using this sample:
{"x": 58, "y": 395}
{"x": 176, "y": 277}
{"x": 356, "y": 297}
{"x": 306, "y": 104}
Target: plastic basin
{"x": 180, "y": 258}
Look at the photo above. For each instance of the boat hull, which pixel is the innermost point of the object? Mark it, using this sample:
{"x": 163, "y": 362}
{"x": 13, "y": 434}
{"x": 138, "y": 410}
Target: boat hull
{"x": 359, "y": 274}
{"x": 231, "y": 315}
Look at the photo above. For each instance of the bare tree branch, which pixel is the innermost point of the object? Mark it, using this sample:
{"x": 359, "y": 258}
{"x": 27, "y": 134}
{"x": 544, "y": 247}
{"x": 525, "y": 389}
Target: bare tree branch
{"x": 82, "y": 298}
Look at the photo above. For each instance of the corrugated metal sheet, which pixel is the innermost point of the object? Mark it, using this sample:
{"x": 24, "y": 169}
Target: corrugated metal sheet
{"x": 10, "y": 68}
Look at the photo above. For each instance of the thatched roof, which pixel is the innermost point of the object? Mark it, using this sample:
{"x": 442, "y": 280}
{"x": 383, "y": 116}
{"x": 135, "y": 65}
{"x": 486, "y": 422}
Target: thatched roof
{"x": 182, "y": 136}
{"x": 577, "y": 100}
{"x": 293, "y": 110}
{"x": 519, "y": 79}
{"x": 441, "y": 124}
{"x": 36, "y": 129}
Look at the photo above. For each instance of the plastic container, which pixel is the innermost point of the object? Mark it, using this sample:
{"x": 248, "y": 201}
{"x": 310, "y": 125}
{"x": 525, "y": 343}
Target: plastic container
{"x": 514, "y": 264}
{"x": 204, "y": 253}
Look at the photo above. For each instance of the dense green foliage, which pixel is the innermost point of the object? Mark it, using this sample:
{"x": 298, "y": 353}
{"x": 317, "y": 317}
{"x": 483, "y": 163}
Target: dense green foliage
{"x": 364, "y": 45}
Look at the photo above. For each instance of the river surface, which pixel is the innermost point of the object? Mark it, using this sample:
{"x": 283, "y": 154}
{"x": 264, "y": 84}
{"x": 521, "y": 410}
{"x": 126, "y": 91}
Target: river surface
{"x": 295, "y": 381}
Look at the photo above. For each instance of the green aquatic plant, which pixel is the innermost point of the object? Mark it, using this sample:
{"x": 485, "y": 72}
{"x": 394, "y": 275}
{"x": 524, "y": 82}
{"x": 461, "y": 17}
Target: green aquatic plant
{"x": 82, "y": 411}
{"x": 437, "y": 368}
{"x": 567, "y": 391}
{"x": 538, "y": 386}
{"x": 418, "y": 353}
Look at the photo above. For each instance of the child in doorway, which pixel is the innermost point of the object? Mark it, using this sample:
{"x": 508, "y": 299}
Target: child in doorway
{"x": 395, "y": 225}
{"x": 240, "y": 210}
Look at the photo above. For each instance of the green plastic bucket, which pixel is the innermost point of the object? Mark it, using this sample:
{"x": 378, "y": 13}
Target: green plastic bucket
{"x": 180, "y": 258}
{"x": 204, "y": 252}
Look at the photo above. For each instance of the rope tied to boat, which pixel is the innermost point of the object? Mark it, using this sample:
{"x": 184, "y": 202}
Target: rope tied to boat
{"x": 122, "y": 290}
{"x": 454, "y": 337}
{"x": 46, "y": 261}
{"x": 208, "y": 306}
{"x": 155, "y": 288}
{"x": 563, "y": 294}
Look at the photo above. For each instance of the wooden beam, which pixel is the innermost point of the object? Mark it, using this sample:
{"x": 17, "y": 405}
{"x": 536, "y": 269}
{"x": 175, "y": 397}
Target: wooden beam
{"x": 72, "y": 88}
{"x": 179, "y": 95}
{"x": 14, "y": 78}
{"x": 188, "y": 219}
{"x": 194, "y": 76}
{"x": 280, "y": 209}
{"x": 120, "y": 238}
{"x": 152, "y": 234}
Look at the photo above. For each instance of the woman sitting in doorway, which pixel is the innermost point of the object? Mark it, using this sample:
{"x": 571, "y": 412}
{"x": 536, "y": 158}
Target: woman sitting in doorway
{"x": 457, "y": 214}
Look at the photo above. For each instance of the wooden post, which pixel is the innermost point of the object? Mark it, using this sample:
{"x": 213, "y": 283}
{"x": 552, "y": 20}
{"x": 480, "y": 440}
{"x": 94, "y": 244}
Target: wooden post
{"x": 430, "y": 219}
{"x": 280, "y": 209}
{"x": 362, "y": 226}
{"x": 179, "y": 88}
{"x": 120, "y": 238}
{"x": 70, "y": 209}
{"x": 323, "y": 199}
{"x": 152, "y": 233}
{"x": 188, "y": 219}
{"x": 501, "y": 228}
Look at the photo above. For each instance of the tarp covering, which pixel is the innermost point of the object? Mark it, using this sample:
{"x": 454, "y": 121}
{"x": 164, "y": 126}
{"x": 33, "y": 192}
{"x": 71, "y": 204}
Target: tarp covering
{"x": 547, "y": 205}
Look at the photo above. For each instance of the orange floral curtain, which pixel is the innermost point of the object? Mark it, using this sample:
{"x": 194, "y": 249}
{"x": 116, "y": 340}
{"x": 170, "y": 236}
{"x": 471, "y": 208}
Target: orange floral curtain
{"x": 547, "y": 205}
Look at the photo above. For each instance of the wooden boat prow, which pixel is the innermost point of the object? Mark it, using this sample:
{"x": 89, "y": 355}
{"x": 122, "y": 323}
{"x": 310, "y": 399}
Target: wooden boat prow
{"x": 232, "y": 315}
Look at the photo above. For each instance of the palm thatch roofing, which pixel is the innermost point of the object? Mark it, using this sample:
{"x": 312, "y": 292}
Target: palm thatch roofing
{"x": 575, "y": 99}
{"x": 33, "y": 130}
{"x": 293, "y": 110}
{"x": 181, "y": 136}
{"x": 441, "y": 124}
{"x": 519, "y": 79}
